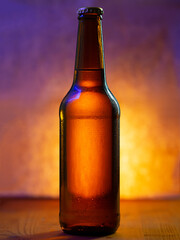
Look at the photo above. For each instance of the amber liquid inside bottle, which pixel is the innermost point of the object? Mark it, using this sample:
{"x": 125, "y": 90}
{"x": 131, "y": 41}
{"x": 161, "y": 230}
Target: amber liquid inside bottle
{"x": 89, "y": 141}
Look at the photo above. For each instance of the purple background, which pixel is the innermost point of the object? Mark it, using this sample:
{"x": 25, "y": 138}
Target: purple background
{"x": 142, "y": 53}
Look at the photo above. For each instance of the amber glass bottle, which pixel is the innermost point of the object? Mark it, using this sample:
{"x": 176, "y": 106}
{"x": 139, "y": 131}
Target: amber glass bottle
{"x": 89, "y": 139}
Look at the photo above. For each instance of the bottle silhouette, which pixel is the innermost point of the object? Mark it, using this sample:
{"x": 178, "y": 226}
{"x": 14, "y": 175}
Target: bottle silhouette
{"x": 89, "y": 139}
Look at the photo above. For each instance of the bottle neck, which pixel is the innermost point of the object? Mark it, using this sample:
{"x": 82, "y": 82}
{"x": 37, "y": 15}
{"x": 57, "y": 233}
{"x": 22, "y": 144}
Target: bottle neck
{"x": 89, "y": 64}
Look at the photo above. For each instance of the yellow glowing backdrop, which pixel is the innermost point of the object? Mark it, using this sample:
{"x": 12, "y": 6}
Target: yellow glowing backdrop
{"x": 142, "y": 51}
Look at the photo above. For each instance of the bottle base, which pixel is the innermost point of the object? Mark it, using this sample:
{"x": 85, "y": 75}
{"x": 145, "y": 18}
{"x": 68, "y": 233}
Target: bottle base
{"x": 89, "y": 230}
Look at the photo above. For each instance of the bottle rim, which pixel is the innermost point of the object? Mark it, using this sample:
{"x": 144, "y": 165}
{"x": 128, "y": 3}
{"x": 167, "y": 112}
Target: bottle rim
{"x": 90, "y": 10}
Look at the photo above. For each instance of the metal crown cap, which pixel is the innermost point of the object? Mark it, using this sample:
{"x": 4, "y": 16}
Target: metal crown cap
{"x": 85, "y": 10}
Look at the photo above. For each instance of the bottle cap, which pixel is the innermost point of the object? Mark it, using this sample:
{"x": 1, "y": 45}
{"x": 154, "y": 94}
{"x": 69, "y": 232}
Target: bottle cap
{"x": 86, "y": 10}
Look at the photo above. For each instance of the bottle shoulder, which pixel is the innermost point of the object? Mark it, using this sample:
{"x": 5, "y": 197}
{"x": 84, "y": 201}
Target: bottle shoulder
{"x": 92, "y": 101}
{"x": 113, "y": 100}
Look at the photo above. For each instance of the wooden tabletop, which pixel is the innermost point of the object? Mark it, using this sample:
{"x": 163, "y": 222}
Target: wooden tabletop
{"x": 38, "y": 219}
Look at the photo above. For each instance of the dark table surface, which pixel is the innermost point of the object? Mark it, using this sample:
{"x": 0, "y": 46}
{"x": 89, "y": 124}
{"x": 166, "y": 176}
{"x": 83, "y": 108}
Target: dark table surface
{"x": 140, "y": 219}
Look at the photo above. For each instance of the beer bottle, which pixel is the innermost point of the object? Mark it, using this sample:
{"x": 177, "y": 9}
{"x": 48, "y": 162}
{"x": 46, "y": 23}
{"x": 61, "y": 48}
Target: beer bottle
{"x": 89, "y": 139}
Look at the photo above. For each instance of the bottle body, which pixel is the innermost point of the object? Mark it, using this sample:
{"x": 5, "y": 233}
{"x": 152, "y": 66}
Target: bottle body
{"x": 89, "y": 156}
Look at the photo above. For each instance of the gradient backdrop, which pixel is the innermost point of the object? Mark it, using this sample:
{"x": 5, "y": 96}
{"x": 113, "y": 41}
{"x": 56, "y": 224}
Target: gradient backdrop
{"x": 142, "y": 53}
